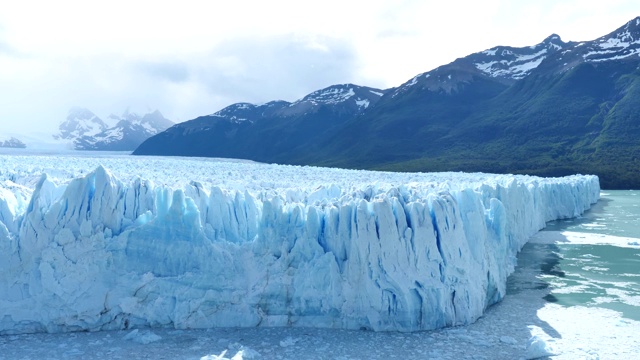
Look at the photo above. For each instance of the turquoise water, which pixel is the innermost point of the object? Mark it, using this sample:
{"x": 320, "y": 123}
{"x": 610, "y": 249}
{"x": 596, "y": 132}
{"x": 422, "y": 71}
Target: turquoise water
{"x": 603, "y": 276}
{"x": 616, "y": 213}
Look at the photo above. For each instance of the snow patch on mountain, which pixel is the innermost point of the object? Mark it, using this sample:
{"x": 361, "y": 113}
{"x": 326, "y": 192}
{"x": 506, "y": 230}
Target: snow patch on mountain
{"x": 346, "y": 97}
{"x": 330, "y": 95}
{"x": 241, "y": 112}
{"x": 341, "y": 94}
{"x": 511, "y": 64}
{"x": 113, "y": 134}
{"x": 491, "y": 52}
{"x": 619, "y": 42}
{"x": 230, "y": 112}
{"x": 622, "y": 39}
{"x": 619, "y": 45}
{"x": 414, "y": 80}
{"x": 363, "y": 103}
{"x": 597, "y": 56}
{"x": 618, "y": 57}
{"x": 525, "y": 68}
{"x": 504, "y": 63}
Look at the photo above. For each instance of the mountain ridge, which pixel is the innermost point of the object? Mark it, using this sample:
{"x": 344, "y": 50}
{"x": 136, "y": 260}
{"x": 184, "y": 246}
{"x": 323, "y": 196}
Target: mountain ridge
{"x": 12, "y": 142}
{"x": 552, "y": 108}
{"x": 266, "y": 132}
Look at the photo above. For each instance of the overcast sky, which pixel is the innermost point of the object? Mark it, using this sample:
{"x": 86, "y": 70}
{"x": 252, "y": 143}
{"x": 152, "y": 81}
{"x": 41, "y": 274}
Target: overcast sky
{"x": 191, "y": 58}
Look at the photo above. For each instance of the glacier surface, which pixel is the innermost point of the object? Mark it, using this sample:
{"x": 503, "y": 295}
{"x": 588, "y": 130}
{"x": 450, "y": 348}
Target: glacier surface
{"x": 116, "y": 242}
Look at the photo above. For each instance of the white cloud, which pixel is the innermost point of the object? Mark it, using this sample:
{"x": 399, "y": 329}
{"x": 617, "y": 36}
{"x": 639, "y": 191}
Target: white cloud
{"x": 192, "y": 58}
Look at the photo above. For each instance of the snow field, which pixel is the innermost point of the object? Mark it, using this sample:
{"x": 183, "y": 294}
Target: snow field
{"x": 109, "y": 243}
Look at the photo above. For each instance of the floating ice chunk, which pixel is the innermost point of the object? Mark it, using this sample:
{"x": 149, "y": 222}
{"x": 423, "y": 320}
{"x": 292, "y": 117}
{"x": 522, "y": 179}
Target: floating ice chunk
{"x": 579, "y": 238}
{"x": 508, "y": 340}
{"x": 243, "y": 353}
{"x": 538, "y": 348}
{"x": 142, "y": 337}
{"x": 289, "y": 341}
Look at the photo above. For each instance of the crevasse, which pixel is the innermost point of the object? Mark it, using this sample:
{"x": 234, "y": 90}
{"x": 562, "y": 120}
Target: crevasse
{"x": 97, "y": 253}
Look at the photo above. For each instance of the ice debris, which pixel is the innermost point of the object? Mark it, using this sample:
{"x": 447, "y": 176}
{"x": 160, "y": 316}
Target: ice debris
{"x": 538, "y": 348}
{"x": 142, "y": 337}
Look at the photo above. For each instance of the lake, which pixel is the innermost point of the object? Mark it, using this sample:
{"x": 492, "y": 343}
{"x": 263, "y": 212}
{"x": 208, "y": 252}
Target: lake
{"x": 587, "y": 271}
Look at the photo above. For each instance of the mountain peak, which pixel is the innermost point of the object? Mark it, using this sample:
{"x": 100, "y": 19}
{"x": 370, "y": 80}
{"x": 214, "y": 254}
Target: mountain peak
{"x": 629, "y": 32}
{"x": 621, "y": 44}
{"x": 238, "y": 112}
{"x": 553, "y": 39}
{"x": 130, "y": 116}
{"x": 80, "y": 113}
{"x": 156, "y": 120}
{"x": 80, "y": 122}
{"x": 633, "y": 23}
{"x": 504, "y": 63}
{"x": 11, "y": 142}
{"x": 156, "y": 113}
{"x": 244, "y": 111}
{"x": 340, "y": 93}
{"x": 331, "y": 95}
{"x": 135, "y": 118}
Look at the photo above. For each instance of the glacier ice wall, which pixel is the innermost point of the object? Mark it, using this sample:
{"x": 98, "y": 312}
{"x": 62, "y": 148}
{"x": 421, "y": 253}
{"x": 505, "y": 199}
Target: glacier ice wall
{"x": 95, "y": 253}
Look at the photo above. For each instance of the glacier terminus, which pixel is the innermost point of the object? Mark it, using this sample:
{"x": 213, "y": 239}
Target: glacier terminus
{"x": 101, "y": 243}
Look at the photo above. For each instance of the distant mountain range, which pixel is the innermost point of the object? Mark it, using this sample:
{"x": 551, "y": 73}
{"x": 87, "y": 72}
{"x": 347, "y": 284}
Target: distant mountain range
{"x": 269, "y": 132}
{"x": 549, "y": 109}
{"x": 86, "y": 131}
{"x": 12, "y": 142}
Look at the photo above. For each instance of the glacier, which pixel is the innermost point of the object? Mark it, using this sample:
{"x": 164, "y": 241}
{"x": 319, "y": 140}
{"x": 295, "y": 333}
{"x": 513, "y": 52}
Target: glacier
{"x": 92, "y": 243}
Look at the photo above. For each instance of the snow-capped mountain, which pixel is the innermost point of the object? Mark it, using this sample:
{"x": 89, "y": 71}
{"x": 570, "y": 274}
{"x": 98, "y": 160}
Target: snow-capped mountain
{"x": 83, "y": 130}
{"x": 249, "y": 112}
{"x": 267, "y": 132}
{"x": 11, "y": 142}
{"x": 128, "y": 133}
{"x": 508, "y": 64}
{"x": 619, "y": 46}
{"x": 515, "y": 63}
{"x": 505, "y": 64}
{"x": 152, "y": 122}
{"x": 347, "y": 98}
{"x": 80, "y": 122}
